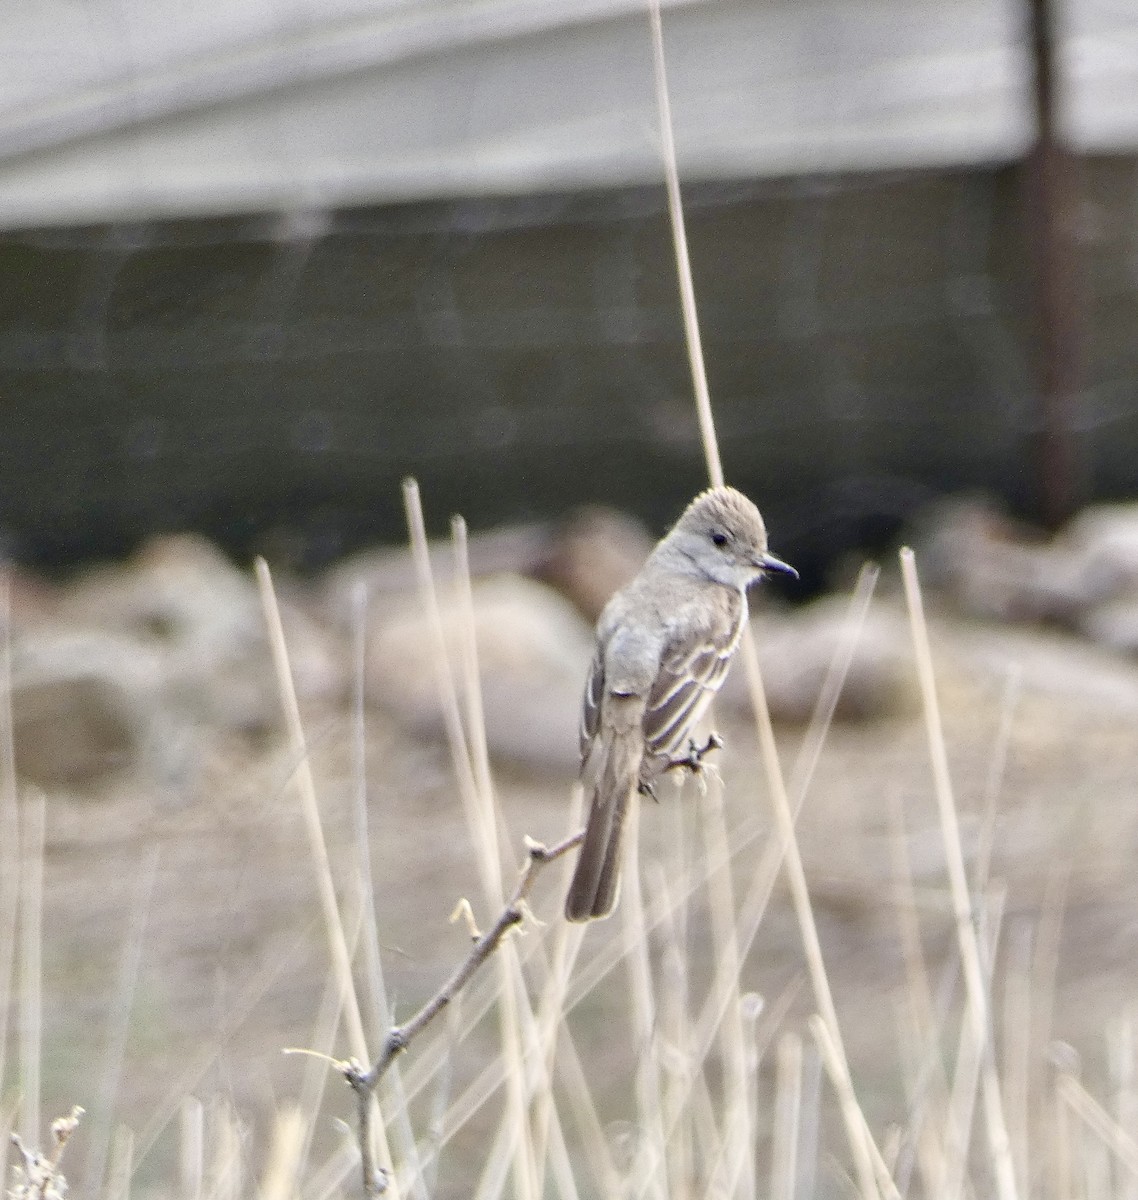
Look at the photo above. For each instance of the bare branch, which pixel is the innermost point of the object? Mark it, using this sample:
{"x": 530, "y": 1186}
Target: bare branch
{"x": 364, "y": 1081}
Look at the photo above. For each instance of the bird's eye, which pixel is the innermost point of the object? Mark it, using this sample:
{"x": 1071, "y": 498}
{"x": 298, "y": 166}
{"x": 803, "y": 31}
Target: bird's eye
{"x": 719, "y": 537}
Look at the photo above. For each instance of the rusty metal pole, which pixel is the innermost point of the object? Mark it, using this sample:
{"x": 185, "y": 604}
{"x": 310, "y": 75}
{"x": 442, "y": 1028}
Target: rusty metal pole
{"x": 1053, "y": 196}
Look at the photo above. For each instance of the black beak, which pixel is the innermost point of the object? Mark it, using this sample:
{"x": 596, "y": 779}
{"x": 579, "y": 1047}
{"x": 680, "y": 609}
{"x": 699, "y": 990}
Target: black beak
{"x": 769, "y": 563}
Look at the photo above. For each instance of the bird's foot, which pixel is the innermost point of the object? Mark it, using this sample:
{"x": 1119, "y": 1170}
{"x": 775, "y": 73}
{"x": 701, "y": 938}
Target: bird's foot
{"x": 648, "y": 789}
{"x": 693, "y": 760}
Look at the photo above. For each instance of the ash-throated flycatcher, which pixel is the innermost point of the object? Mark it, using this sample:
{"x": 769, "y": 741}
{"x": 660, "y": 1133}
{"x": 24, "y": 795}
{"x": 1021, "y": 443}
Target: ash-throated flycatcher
{"x": 664, "y": 643}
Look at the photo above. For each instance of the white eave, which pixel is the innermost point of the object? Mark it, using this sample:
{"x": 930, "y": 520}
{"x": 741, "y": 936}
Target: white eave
{"x": 154, "y": 108}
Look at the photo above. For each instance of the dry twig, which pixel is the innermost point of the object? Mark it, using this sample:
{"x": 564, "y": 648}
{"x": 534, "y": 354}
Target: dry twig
{"x": 363, "y": 1081}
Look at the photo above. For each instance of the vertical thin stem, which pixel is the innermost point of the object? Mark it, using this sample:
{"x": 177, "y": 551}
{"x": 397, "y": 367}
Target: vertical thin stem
{"x": 31, "y": 966}
{"x": 683, "y": 264}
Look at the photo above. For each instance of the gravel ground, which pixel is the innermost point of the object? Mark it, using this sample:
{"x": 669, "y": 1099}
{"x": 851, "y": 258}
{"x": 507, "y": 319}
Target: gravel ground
{"x": 233, "y": 959}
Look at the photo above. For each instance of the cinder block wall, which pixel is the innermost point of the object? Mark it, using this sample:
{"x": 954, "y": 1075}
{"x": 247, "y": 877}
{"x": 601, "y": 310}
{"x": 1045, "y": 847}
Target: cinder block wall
{"x": 867, "y": 339}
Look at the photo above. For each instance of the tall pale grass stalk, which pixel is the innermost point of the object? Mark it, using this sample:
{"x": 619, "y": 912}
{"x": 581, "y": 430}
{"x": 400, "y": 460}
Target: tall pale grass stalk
{"x": 739, "y": 1131}
{"x": 838, "y": 1071}
{"x": 191, "y": 1148}
{"x": 328, "y": 1180}
{"x": 580, "y": 1104}
{"x": 326, "y": 888}
{"x": 532, "y": 1118}
{"x": 994, "y": 782}
{"x": 121, "y": 1164}
{"x": 650, "y": 1161}
{"x": 403, "y": 1133}
{"x": 478, "y": 808}
{"x": 921, "y": 1024}
{"x": 9, "y": 841}
{"x": 1121, "y": 1143}
{"x": 100, "y": 1128}
{"x": 310, "y": 810}
{"x": 440, "y": 1099}
{"x": 1122, "y": 1057}
{"x": 223, "y": 1140}
{"x": 31, "y": 964}
{"x": 519, "y": 1039}
{"x": 787, "y": 1117}
{"x": 322, "y": 1043}
{"x": 762, "y": 878}
{"x": 189, "y": 1078}
{"x": 281, "y": 1174}
{"x": 675, "y": 1017}
{"x": 534, "y": 1112}
{"x": 1044, "y": 973}
{"x": 776, "y": 784}
{"x": 970, "y": 1059}
{"x": 1018, "y": 1019}
{"x": 550, "y": 1018}
{"x": 996, "y": 1126}
{"x": 680, "y": 249}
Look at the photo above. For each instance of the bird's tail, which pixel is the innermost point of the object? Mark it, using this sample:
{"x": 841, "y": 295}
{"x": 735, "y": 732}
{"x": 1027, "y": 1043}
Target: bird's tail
{"x": 610, "y": 774}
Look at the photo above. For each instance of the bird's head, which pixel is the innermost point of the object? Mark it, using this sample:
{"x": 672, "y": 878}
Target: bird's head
{"x": 722, "y": 533}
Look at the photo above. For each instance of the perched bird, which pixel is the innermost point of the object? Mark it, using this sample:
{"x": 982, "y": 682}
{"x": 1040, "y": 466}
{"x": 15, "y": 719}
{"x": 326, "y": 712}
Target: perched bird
{"x": 664, "y": 643}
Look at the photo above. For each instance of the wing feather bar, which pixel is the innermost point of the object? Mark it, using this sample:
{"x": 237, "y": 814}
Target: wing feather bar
{"x": 683, "y": 689}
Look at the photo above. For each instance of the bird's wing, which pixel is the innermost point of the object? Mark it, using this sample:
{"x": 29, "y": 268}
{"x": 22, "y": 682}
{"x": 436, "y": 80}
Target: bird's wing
{"x": 688, "y": 678}
{"x": 591, "y": 703}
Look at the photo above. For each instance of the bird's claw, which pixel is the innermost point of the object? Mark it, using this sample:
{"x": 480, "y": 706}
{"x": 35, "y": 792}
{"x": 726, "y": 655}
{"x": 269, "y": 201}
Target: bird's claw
{"x": 693, "y": 760}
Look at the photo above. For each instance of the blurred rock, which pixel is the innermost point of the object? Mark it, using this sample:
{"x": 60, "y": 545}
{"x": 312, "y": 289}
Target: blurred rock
{"x": 1085, "y": 578}
{"x": 181, "y": 597}
{"x": 995, "y": 567}
{"x": 1113, "y": 624}
{"x": 533, "y": 654}
{"x": 31, "y": 600}
{"x": 1101, "y": 544}
{"x": 797, "y": 648}
{"x": 81, "y": 705}
{"x": 594, "y": 554}
{"x": 586, "y": 558}
{"x": 140, "y": 664}
{"x": 389, "y": 571}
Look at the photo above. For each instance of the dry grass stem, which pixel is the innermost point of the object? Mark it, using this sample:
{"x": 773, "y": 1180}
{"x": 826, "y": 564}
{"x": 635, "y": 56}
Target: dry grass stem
{"x": 1122, "y": 1047}
{"x": 121, "y": 1165}
{"x": 477, "y": 796}
{"x": 328, "y": 1180}
{"x": 400, "y": 1037}
{"x": 326, "y": 888}
{"x": 290, "y": 1135}
{"x": 642, "y": 1012}
{"x": 31, "y": 964}
{"x": 1120, "y": 1143}
{"x": 100, "y": 1129}
{"x": 9, "y": 832}
{"x": 783, "y": 814}
{"x": 865, "y": 1153}
{"x": 318, "y": 1051}
{"x": 738, "y": 1117}
{"x": 306, "y": 789}
{"x": 680, "y": 248}
{"x": 190, "y": 1077}
{"x": 1017, "y": 1048}
{"x": 372, "y": 960}
{"x": 514, "y": 1010}
{"x": 998, "y": 1141}
{"x": 191, "y": 1148}
{"x": 993, "y": 784}
{"x": 223, "y": 1139}
{"x": 787, "y": 1116}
